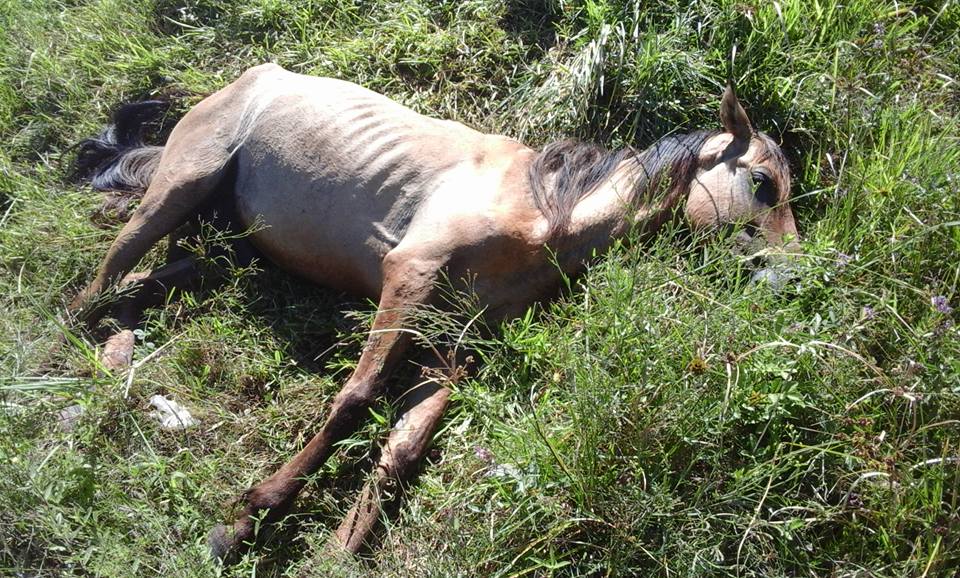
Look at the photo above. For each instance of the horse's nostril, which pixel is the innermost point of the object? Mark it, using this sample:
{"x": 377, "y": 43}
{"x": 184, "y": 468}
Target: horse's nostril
{"x": 747, "y": 241}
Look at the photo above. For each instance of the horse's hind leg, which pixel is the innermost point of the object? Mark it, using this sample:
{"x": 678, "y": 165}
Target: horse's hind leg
{"x": 171, "y": 199}
{"x": 151, "y": 288}
{"x": 148, "y": 288}
{"x": 194, "y": 161}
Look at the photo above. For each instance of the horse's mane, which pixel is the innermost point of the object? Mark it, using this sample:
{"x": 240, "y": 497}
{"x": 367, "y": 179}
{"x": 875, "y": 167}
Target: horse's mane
{"x": 566, "y": 171}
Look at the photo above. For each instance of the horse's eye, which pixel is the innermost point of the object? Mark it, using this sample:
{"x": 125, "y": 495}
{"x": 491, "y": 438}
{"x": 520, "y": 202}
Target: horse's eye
{"x": 764, "y": 190}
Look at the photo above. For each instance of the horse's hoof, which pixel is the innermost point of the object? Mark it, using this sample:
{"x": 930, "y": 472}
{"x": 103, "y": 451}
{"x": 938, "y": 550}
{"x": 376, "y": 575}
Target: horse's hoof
{"x": 118, "y": 351}
{"x": 223, "y": 544}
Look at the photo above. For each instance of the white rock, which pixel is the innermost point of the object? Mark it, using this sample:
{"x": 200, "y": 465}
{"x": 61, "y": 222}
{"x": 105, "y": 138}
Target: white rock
{"x": 68, "y": 417}
{"x": 767, "y": 274}
{"x": 503, "y": 471}
{"x": 171, "y": 414}
{"x": 776, "y": 277}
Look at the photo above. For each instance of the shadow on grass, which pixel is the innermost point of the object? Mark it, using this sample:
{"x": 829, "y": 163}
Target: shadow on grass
{"x": 322, "y": 333}
{"x": 533, "y": 21}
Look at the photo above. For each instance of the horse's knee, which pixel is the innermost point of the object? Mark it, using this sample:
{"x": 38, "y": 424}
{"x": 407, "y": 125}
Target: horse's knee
{"x": 353, "y": 400}
{"x": 132, "y": 278}
{"x": 402, "y": 463}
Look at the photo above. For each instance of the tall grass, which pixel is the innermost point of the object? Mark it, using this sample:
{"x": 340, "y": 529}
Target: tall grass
{"x": 665, "y": 417}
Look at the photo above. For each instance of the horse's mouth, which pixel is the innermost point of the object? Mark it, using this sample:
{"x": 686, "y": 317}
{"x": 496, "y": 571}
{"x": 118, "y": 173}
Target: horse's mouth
{"x": 771, "y": 264}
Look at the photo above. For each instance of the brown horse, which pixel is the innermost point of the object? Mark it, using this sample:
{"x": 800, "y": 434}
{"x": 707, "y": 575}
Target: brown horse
{"x": 364, "y": 195}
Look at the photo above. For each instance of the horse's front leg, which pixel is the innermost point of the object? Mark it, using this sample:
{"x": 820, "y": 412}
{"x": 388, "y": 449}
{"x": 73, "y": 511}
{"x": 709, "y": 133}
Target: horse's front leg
{"x": 399, "y": 461}
{"x": 408, "y": 281}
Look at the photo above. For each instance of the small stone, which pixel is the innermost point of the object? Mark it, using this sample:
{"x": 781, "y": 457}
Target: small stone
{"x": 771, "y": 276}
{"x": 69, "y": 416}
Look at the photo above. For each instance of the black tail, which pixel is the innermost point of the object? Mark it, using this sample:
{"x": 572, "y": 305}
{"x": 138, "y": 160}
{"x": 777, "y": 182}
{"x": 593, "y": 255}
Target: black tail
{"x": 117, "y": 159}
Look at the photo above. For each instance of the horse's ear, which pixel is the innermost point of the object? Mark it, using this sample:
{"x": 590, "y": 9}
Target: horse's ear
{"x": 733, "y": 117}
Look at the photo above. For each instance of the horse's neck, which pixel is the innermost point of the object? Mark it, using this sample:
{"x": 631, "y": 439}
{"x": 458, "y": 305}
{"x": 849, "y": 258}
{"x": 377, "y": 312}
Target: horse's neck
{"x": 610, "y": 212}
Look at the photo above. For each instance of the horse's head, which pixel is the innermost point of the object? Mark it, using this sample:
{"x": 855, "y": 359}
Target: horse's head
{"x": 742, "y": 177}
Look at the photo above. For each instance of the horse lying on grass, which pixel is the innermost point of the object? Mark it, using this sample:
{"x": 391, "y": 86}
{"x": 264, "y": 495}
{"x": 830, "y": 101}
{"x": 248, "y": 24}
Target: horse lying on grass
{"x": 361, "y": 194}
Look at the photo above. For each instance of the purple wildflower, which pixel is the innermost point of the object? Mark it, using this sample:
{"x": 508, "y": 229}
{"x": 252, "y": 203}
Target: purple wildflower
{"x": 854, "y": 501}
{"x": 483, "y": 454}
{"x": 869, "y": 313}
{"x": 942, "y": 327}
{"x": 843, "y": 260}
{"x": 880, "y": 30}
{"x": 941, "y": 304}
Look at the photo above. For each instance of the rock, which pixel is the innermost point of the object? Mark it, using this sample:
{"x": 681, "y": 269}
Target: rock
{"x": 69, "y": 416}
{"x": 170, "y": 414}
{"x": 776, "y": 277}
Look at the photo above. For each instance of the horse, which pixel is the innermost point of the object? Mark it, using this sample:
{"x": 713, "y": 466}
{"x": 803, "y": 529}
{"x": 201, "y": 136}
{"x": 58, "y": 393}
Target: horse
{"x": 361, "y": 194}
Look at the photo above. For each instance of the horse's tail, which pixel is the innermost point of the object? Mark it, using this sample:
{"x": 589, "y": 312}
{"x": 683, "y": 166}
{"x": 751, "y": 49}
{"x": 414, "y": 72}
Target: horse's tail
{"x": 117, "y": 159}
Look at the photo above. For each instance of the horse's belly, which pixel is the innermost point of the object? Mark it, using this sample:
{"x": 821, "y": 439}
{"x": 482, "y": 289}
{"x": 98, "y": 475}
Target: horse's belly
{"x": 318, "y": 235}
{"x": 313, "y": 257}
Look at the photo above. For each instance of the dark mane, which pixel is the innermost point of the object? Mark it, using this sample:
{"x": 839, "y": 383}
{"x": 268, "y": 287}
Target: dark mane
{"x": 565, "y": 172}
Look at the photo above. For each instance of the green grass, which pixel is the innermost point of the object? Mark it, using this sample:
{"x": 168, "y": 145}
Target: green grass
{"x": 664, "y": 418}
